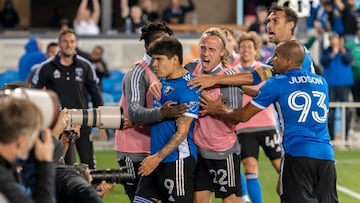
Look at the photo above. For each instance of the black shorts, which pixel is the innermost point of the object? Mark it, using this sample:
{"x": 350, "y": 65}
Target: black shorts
{"x": 130, "y": 185}
{"x": 269, "y": 140}
{"x": 170, "y": 182}
{"x": 219, "y": 176}
{"x": 308, "y": 180}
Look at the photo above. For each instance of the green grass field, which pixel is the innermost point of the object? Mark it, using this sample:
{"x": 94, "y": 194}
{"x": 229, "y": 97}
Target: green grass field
{"x": 347, "y": 165}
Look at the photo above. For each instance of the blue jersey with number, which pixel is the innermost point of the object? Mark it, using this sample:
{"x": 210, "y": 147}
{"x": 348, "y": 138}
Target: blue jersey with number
{"x": 302, "y": 101}
{"x": 161, "y": 132}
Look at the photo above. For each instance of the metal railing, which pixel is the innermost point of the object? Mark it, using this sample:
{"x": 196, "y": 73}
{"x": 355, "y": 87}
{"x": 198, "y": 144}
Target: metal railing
{"x": 341, "y": 143}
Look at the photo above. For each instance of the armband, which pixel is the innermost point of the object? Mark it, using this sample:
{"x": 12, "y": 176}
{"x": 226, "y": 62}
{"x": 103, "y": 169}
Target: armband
{"x": 256, "y": 77}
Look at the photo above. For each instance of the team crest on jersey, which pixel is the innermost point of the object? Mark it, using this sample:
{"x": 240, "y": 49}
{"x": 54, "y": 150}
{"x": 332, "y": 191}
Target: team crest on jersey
{"x": 168, "y": 90}
{"x": 193, "y": 106}
{"x": 78, "y": 74}
{"x": 56, "y": 74}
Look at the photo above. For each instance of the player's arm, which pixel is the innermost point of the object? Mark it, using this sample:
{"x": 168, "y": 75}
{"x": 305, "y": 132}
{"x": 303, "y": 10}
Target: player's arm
{"x": 217, "y": 108}
{"x": 135, "y": 89}
{"x": 250, "y": 91}
{"x": 149, "y": 164}
{"x": 245, "y": 78}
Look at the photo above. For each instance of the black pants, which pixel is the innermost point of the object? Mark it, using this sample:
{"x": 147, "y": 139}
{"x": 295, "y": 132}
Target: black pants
{"x": 85, "y": 148}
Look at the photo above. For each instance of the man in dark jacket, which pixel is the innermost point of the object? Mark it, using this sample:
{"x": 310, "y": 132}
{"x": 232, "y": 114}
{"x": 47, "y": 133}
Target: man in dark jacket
{"x": 73, "y": 79}
{"x": 21, "y": 122}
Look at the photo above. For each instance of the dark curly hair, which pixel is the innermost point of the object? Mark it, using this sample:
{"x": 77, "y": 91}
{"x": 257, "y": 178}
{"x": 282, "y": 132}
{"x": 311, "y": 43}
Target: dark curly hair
{"x": 150, "y": 28}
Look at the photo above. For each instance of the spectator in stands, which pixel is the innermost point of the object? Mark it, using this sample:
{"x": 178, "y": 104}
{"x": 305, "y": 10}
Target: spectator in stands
{"x": 149, "y": 13}
{"x": 99, "y": 64}
{"x": 9, "y": 17}
{"x": 336, "y": 60}
{"x": 327, "y": 17}
{"x": 64, "y": 24}
{"x": 51, "y": 49}
{"x": 350, "y": 17}
{"x": 175, "y": 14}
{"x": 33, "y": 55}
{"x": 125, "y": 6}
{"x": 259, "y": 26}
{"x": 136, "y": 17}
{"x": 303, "y": 10}
{"x": 354, "y": 46}
{"x": 86, "y": 22}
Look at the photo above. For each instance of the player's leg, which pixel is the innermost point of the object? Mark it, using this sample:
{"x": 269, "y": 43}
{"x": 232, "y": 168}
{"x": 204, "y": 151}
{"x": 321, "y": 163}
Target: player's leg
{"x": 244, "y": 193}
{"x": 85, "y": 148}
{"x": 308, "y": 180}
{"x": 203, "y": 186}
{"x": 249, "y": 156}
{"x": 271, "y": 144}
{"x": 132, "y": 165}
{"x": 176, "y": 180}
{"x": 226, "y": 178}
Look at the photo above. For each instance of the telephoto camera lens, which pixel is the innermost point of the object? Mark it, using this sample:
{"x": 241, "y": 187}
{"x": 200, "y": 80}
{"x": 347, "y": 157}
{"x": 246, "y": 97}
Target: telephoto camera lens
{"x": 109, "y": 117}
{"x": 110, "y": 176}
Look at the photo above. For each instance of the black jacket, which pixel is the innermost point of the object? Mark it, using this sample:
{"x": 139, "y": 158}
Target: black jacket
{"x": 73, "y": 84}
{"x": 72, "y": 187}
{"x": 44, "y": 186}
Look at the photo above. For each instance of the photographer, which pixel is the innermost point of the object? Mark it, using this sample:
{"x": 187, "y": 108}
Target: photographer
{"x": 21, "y": 123}
{"x": 73, "y": 184}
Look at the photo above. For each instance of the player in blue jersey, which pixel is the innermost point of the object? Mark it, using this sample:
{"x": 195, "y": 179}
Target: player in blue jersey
{"x": 281, "y": 24}
{"x": 308, "y": 171}
{"x": 168, "y": 173}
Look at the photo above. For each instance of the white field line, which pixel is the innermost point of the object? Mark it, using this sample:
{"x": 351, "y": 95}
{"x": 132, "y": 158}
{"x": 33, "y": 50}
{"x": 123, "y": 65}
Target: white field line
{"x": 348, "y": 192}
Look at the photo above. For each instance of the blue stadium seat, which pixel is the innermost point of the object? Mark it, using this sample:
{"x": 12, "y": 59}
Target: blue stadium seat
{"x": 107, "y": 98}
{"x": 9, "y": 76}
{"x": 113, "y": 84}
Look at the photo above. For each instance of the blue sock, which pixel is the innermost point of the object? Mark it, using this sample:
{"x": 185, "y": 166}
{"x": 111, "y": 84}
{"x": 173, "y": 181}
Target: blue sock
{"x": 254, "y": 188}
{"x": 243, "y": 184}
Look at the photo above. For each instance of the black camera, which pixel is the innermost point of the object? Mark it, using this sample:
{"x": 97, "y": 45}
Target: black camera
{"x": 110, "y": 175}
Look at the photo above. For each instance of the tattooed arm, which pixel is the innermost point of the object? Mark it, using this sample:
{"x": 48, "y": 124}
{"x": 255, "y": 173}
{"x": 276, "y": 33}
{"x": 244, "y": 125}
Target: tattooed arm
{"x": 149, "y": 164}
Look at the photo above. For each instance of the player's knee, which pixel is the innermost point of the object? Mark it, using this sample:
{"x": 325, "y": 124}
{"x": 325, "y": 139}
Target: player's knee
{"x": 250, "y": 165}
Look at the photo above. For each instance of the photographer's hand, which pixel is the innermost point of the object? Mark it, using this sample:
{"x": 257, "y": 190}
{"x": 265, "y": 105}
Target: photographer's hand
{"x": 102, "y": 134}
{"x": 44, "y": 149}
{"x": 60, "y": 124}
{"x": 104, "y": 188}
